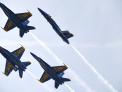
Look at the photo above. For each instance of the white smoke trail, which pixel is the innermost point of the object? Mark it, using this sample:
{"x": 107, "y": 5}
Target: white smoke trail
{"x": 71, "y": 90}
{"x": 99, "y": 76}
{"x": 60, "y": 61}
{"x": 82, "y": 83}
{"x": 35, "y": 78}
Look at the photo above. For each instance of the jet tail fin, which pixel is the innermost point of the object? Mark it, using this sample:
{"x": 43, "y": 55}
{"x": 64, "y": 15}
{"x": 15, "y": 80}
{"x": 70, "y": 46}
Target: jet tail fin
{"x": 21, "y": 71}
{"x": 30, "y": 28}
{"x": 67, "y": 34}
{"x": 62, "y": 81}
{"x": 65, "y": 79}
{"x": 26, "y": 63}
{"x": 26, "y": 30}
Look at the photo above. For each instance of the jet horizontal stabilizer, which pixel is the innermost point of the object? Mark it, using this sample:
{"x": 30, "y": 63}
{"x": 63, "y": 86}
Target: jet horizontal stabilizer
{"x": 62, "y": 81}
{"x": 56, "y": 84}
{"x": 26, "y": 30}
{"x": 20, "y": 73}
{"x": 30, "y": 28}
{"x": 26, "y": 63}
{"x": 67, "y": 34}
{"x": 21, "y": 33}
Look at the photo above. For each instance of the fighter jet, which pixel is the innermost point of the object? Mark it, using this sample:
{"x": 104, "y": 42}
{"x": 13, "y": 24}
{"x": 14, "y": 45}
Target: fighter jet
{"x": 54, "y": 73}
{"x": 65, "y": 35}
{"x": 19, "y": 20}
{"x": 13, "y": 61}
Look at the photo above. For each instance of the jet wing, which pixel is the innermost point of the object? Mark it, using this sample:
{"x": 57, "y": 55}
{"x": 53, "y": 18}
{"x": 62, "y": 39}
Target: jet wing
{"x": 45, "y": 77}
{"x": 19, "y": 52}
{"x": 9, "y": 25}
{"x": 60, "y": 69}
{"x": 8, "y": 68}
{"x": 24, "y": 16}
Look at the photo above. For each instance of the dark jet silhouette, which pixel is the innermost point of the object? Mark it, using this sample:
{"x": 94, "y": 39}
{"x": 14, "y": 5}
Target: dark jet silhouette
{"x": 65, "y": 35}
{"x": 54, "y": 73}
{"x": 19, "y": 20}
{"x": 13, "y": 61}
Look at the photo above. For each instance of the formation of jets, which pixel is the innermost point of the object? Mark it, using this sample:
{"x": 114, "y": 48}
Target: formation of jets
{"x": 13, "y": 61}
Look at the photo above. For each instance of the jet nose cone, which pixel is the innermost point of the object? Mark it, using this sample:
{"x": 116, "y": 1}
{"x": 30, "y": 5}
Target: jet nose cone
{"x": 1, "y": 48}
{"x": 41, "y": 11}
{"x": 38, "y": 8}
{"x": 37, "y": 58}
{"x": 32, "y": 54}
{"x": 1, "y": 4}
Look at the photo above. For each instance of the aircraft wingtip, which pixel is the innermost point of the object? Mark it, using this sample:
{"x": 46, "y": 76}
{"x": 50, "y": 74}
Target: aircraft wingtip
{"x": 30, "y": 52}
{"x": 65, "y": 65}
{"x": 40, "y": 10}
{"x": 4, "y": 73}
{"x": 38, "y": 80}
{"x": 4, "y": 29}
{"x": 22, "y": 46}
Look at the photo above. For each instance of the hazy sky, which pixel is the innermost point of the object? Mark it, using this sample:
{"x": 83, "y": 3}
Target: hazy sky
{"x": 96, "y": 25}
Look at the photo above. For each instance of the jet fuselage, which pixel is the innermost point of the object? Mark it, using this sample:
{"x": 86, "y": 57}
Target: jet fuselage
{"x": 14, "y": 18}
{"x": 50, "y": 70}
{"x": 14, "y": 60}
{"x": 54, "y": 25}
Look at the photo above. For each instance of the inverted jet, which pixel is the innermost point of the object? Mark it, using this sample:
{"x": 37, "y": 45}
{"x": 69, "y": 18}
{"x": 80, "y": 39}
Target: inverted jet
{"x": 65, "y": 35}
{"x": 56, "y": 73}
{"x": 13, "y": 61}
{"x": 19, "y": 20}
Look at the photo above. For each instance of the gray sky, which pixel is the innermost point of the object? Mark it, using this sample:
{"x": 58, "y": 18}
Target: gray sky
{"x": 96, "y": 25}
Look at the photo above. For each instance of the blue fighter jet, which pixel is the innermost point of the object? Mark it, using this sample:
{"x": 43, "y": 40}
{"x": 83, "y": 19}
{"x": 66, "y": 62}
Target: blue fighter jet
{"x": 19, "y": 20}
{"x": 65, "y": 35}
{"x": 54, "y": 73}
{"x": 13, "y": 61}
